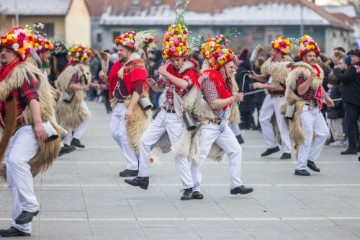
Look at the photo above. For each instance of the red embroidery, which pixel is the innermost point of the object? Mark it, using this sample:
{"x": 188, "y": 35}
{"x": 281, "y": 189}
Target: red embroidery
{"x": 318, "y": 96}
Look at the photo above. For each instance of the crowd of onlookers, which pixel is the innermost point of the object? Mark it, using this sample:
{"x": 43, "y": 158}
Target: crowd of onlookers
{"x": 344, "y": 92}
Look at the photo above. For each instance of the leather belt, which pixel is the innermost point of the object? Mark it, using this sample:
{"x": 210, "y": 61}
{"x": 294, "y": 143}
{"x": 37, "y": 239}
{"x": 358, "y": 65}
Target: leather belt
{"x": 216, "y": 121}
{"x": 170, "y": 110}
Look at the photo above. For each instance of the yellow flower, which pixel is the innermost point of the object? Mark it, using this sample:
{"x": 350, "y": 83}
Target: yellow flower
{"x": 9, "y": 36}
{"x": 276, "y": 45}
{"x": 21, "y": 51}
{"x": 179, "y": 26}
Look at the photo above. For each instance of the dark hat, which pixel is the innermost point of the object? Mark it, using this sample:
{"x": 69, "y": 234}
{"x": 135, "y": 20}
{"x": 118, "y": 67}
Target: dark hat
{"x": 355, "y": 52}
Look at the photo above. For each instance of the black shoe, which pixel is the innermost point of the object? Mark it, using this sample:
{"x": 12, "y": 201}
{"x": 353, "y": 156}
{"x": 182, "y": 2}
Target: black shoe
{"x": 270, "y": 151}
{"x": 186, "y": 194}
{"x": 129, "y": 173}
{"x": 240, "y": 139}
{"x": 76, "y": 142}
{"x": 302, "y": 172}
{"x": 286, "y": 156}
{"x": 197, "y": 195}
{"x": 66, "y": 149}
{"x": 242, "y": 190}
{"x": 142, "y": 182}
{"x": 312, "y": 166}
{"x": 349, "y": 152}
{"x": 13, "y": 232}
{"x": 25, "y": 217}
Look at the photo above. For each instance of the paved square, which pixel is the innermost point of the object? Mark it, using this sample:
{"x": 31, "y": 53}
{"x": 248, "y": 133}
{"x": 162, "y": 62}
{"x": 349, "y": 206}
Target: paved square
{"x": 83, "y": 197}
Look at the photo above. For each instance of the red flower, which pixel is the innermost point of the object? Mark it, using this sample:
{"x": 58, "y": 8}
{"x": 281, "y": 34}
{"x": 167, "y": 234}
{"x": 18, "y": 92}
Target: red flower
{"x": 150, "y": 40}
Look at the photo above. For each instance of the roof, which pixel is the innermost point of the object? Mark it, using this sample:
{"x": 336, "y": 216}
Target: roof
{"x": 215, "y": 12}
{"x": 35, "y": 7}
{"x": 349, "y": 10}
{"x": 346, "y": 19}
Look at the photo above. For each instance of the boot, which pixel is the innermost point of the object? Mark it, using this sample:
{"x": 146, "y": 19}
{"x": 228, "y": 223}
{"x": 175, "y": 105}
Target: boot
{"x": 76, "y": 142}
{"x": 142, "y": 182}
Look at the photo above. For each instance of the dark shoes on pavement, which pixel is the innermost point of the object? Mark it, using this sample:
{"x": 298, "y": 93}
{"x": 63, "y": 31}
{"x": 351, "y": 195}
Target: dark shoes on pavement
{"x": 13, "y": 232}
{"x": 76, "y": 142}
{"x": 66, "y": 149}
{"x": 142, "y": 182}
{"x": 242, "y": 190}
{"x": 240, "y": 139}
{"x": 312, "y": 166}
{"x": 197, "y": 195}
{"x": 349, "y": 152}
{"x": 302, "y": 172}
{"x": 25, "y": 217}
{"x": 285, "y": 156}
{"x": 270, "y": 151}
{"x": 129, "y": 173}
{"x": 187, "y": 194}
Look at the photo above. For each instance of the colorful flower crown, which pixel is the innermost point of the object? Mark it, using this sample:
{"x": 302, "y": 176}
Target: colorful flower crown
{"x": 282, "y": 44}
{"x": 127, "y": 40}
{"x": 215, "y": 53}
{"x": 79, "y": 52}
{"x": 42, "y": 44}
{"x": 307, "y": 44}
{"x": 20, "y": 40}
{"x": 175, "y": 41}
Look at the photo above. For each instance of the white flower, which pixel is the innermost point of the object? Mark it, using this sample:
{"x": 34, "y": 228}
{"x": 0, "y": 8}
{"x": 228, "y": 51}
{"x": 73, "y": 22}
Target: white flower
{"x": 15, "y": 46}
{"x": 77, "y": 54}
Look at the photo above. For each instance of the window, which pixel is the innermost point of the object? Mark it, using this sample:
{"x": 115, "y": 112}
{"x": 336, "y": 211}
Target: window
{"x": 48, "y": 30}
{"x": 98, "y": 37}
{"x": 135, "y": 2}
{"x": 116, "y": 34}
{"x": 157, "y": 2}
{"x": 179, "y": 3}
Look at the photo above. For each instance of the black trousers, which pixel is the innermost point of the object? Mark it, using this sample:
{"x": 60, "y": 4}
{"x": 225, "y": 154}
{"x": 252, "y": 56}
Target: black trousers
{"x": 352, "y": 128}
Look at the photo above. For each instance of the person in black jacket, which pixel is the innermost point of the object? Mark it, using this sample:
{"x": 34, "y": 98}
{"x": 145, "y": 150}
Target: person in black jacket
{"x": 336, "y": 113}
{"x": 58, "y": 61}
{"x": 351, "y": 97}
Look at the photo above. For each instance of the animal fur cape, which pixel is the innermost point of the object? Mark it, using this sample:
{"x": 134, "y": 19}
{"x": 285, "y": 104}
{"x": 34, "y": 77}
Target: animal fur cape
{"x": 140, "y": 120}
{"x": 278, "y": 70}
{"x": 48, "y": 151}
{"x": 302, "y": 69}
{"x": 70, "y": 115}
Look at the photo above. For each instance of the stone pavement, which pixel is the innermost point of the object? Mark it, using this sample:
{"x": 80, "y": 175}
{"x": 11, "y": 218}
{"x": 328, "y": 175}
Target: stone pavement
{"x": 83, "y": 197}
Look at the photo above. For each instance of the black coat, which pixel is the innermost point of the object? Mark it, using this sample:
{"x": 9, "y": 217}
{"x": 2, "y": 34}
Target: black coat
{"x": 351, "y": 80}
{"x": 242, "y": 80}
{"x": 337, "y": 111}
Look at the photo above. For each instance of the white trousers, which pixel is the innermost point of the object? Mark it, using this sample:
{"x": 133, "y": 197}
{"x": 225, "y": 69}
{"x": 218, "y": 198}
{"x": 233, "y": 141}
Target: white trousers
{"x": 170, "y": 123}
{"x": 23, "y": 146}
{"x": 119, "y": 134}
{"x": 227, "y": 141}
{"x": 270, "y": 106}
{"x": 235, "y": 128}
{"x": 79, "y": 131}
{"x": 311, "y": 121}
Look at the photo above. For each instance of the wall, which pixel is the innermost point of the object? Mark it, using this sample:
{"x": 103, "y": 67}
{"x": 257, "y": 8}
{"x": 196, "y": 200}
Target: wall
{"x": 77, "y": 24}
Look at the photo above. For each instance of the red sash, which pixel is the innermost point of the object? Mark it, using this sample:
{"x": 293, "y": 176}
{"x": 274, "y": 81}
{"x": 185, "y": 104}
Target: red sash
{"x": 219, "y": 81}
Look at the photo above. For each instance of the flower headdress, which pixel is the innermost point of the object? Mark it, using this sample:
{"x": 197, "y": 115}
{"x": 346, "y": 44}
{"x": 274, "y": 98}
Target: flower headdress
{"x": 282, "y": 44}
{"x": 175, "y": 38}
{"x": 20, "y": 40}
{"x": 137, "y": 40}
{"x": 216, "y": 54}
{"x": 307, "y": 44}
{"x": 42, "y": 44}
{"x": 79, "y": 52}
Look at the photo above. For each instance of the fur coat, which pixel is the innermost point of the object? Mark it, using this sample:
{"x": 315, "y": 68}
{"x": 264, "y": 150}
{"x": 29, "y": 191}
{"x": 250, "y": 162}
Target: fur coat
{"x": 70, "y": 115}
{"x": 302, "y": 70}
{"x": 140, "y": 120}
{"x": 48, "y": 151}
